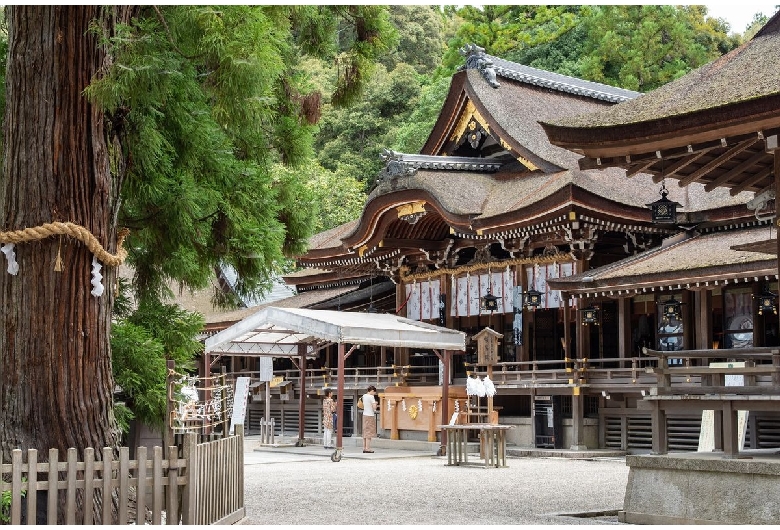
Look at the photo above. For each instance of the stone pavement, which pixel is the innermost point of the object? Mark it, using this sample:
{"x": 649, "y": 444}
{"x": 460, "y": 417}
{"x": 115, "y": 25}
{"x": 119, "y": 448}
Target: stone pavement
{"x": 404, "y": 483}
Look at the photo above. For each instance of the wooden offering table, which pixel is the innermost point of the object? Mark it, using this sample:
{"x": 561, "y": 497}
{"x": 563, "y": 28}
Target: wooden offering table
{"x": 492, "y": 438}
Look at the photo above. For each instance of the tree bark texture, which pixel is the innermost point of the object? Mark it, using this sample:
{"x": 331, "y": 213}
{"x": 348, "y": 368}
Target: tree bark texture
{"x": 56, "y": 383}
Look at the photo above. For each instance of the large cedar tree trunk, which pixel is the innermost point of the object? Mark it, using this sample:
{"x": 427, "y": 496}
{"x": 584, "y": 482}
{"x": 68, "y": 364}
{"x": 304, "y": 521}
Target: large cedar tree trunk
{"x": 55, "y": 360}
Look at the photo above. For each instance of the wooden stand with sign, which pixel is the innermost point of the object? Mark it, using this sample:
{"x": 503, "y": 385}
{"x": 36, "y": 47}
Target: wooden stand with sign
{"x": 417, "y": 417}
{"x": 487, "y": 354}
{"x": 491, "y": 441}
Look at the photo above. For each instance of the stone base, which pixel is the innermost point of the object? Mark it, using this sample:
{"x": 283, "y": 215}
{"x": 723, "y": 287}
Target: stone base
{"x": 696, "y": 488}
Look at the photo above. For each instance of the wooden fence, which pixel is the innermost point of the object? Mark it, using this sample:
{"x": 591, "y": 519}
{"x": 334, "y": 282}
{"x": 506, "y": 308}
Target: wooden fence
{"x": 204, "y": 486}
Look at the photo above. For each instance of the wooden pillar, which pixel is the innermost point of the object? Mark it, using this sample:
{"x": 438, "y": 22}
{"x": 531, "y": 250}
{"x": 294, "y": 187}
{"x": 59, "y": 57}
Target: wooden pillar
{"x": 730, "y": 438}
{"x": 577, "y": 420}
{"x": 525, "y": 353}
{"x": 168, "y": 428}
{"x": 302, "y": 396}
{"x": 445, "y": 400}
{"x": 577, "y": 400}
{"x": 625, "y": 342}
{"x": 717, "y": 426}
{"x": 394, "y": 435}
{"x": 340, "y": 400}
{"x": 431, "y": 422}
{"x": 772, "y": 144}
{"x": 687, "y": 320}
{"x": 566, "y": 327}
{"x": 400, "y": 299}
{"x": 582, "y": 351}
{"x": 658, "y": 416}
{"x": 702, "y": 302}
{"x": 759, "y": 323}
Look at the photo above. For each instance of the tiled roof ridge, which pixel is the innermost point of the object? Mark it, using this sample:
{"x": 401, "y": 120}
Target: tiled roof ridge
{"x": 563, "y": 83}
{"x": 396, "y": 161}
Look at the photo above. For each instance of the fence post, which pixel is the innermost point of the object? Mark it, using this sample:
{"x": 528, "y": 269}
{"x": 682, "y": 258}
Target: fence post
{"x": 53, "y": 492}
{"x": 32, "y": 486}
{"x": 107, "y": 475}
{"x": 16, "y": 487}
{"x": 190, "y": 494}
{"x": 172, "y": 510}
{"x": 168, "y": 427}
{"x": 240, "y": 470}
{"x": 223, "y": 398}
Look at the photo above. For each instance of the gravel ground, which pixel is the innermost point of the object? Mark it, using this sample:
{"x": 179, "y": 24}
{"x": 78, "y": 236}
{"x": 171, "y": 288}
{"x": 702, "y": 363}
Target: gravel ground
{"x": 422, "y": 489}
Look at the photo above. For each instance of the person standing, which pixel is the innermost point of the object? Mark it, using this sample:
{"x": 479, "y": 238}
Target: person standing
{"x": 328, "y": 410}
{"x": 370, "y": 406}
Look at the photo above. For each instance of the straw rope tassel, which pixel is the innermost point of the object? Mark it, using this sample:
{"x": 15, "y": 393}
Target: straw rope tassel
{"x": 58, "y": 261}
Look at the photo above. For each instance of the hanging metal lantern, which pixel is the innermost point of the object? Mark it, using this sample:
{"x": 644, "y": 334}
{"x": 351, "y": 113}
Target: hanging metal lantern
{"x": 590, "y": 315}
{"x": 533, "y": 299}
{"x": 663, "y": 210}
{"x": 767, "y": 302}
{"x": 671, "y": 310}
{"x": 489, "y": 302}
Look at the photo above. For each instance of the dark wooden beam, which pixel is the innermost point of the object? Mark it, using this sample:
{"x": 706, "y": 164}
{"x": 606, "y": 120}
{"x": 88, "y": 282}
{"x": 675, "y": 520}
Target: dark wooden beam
{"x": 421, "y": 244}
{"x": 727, "y": 176}
{"x": 677, "y": 166}
{"x": 639, "y": 168}
{"x": 591, "y": 162}
{"x": 748, "y": 182}
{"x": 714, "y": 163}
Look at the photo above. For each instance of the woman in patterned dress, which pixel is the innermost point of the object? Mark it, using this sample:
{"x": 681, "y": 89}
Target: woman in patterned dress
{"x": 328, "y": 408}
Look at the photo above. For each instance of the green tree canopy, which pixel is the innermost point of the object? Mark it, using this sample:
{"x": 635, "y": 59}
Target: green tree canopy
{"x": 639, "y": 47}
{"x": 208, "y": 99}
{"x": 644, "y": 47}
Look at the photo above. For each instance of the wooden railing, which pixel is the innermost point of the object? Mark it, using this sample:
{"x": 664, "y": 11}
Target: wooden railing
{"x": 760, "y": 373}
{"x": 208, "y": 479}
{"x": 634, "y": 371}
{"x": 582, "y": 372}
{"x": 357, "y": 377}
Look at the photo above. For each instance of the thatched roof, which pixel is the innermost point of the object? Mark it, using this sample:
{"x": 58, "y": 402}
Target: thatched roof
{"x": 679, "y": 263}
{"x": 747, "y": 73}
{"x": 716, "y": 125}
{"x": 515, "y": 109}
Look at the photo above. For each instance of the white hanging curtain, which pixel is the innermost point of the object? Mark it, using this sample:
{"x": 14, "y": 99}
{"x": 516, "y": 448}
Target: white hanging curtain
{"x": 537, "y": 279}
{"x": 469, "y": 289}
{"x": 423, "y": 299}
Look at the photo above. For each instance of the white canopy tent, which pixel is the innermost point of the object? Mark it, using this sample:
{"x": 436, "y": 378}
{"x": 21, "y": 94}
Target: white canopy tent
{"x": 274, "y": 329}
{"x": 287, "y": 332}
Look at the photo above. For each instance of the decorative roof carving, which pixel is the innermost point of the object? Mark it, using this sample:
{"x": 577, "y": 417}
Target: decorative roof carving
{"x": 477, "y": 59}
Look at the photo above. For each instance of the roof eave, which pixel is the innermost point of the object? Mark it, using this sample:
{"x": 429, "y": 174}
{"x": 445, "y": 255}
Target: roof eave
{"x": 648, "y": 135}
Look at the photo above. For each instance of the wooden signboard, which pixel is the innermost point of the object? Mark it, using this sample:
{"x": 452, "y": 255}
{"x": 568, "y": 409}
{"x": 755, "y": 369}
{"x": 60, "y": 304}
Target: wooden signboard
{"x": 487, "y": 346}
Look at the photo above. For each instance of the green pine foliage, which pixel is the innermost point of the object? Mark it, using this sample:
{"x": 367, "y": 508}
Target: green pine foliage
{"x": 141, "y": 343}
{"x": 207, "y": 101}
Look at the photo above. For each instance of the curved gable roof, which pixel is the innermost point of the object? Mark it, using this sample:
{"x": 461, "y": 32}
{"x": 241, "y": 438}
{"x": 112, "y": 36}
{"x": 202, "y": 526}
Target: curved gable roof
{"x": 512, "y": 111}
